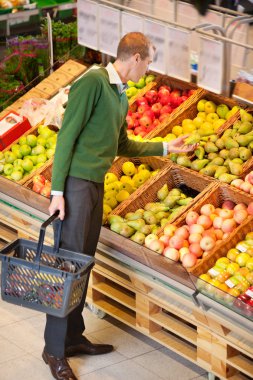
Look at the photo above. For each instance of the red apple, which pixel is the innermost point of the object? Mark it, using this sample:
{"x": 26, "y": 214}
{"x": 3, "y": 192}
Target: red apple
{"x": 237, "y": 182}
{"x": 228, "y": 205}
{"x": 164, "y": 99}
{"x": 246, "y": 186}
{"x": 149, "y": 238}
{"x": 250, "y": 208}
{"x": 39, "y": 178}
{"x": 249, "y": 177}
{"x": 183, "y": 252}
{"x": 189, "y": 260}
{"x": 140, "y": 101}
{"x": 195, "y": 238}
{"x": 207, "y": 243}
{"x": 169, "y": 230}
{"x": 46, "y": 191}
{"x": 37, "y": 187}
{"x": 156, "y": 108}
{"x": 228, "y": 225}
{"x": 240, "y": 216}
{"x": 191, "y": 218}
{"x": 163, "y": 91}
{"x": 195, "y": 249}
{"x": 204, "y": 221}
{"x": 240, "y": 206}
{"x": 145, "y": 121}
{"x": 171, "y": 253}
{"x": 157, "y": 246}
{"x": 196, "y": 229}
{"x": 165, "y": 239}
{"x": 151, "y": 96}
{"x": 176, "y": 242}
{"x": 207, "y": 209}
{"x": 182, "y": 232}
{"x": 142, "y": 108}
{"x": 226, "y": 214}
{"x": 166, "y": 109}
{"x": 163, "y": 117}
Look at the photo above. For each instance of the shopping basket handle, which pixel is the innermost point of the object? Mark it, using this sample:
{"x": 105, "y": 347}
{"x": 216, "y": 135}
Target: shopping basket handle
{"x": 42, "y": 235}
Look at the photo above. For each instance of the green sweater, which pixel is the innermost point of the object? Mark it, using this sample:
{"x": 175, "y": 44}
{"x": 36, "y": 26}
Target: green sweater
{"x": 94, "y": 131}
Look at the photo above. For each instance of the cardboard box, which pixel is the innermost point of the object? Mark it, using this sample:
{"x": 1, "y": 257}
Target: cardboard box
{"x": 12, "y": 126}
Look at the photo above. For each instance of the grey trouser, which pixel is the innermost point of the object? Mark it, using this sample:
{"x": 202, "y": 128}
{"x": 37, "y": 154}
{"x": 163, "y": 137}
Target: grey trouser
{"x": 80, "y": 233}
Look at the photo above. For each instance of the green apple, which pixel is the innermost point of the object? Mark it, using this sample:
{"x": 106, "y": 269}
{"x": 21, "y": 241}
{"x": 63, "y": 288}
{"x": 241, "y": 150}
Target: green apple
{"x": 31, "y": 140}
{"x": 33, "y": 159}
{"x": 198, "y": 121}
{"x": 15, "y": 147}
{"x": 50, "y": 152}
{"x": 2, "y": 158}
{"x": 46, "y": 133}
{"x": 41, "y": 141}
{"x": 25, "y": 150}
{"x": 149, "y": 78}
{"x": 17, "y": 162}
{"x": 19, "y": 168}
{"x": 8, "y": 169}
{"x": 235, "y": 109}
{"x": 130, "y": 83}
{"x": 222, "y": 110}
{"x": 22, "y": 140}
{"x": 41, "y": 158}
{"x": 39, "y": 165}
{"x": 39, "y": 149}
{"x": 51, "y": 141}
{"x": 202, "y": 115}
{"x": 16, "y": 175}
{"x": 218, "y": 123}
{"x": 27, "y": 164}
{"x": 10, "y": 157}
{"x": 201, "y": 105}
{"x": 141, "y": 83}
{"x": 1, "y": 167}
{"x": 242, "y": 259}
{"x": 212, "y": 117}
{"x": 210, "y": 107}
{"x": 131, "y": 92}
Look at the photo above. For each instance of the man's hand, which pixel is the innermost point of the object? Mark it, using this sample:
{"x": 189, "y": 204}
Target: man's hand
{"x": 57, "y": 203}
{"x": 178, "y": 145}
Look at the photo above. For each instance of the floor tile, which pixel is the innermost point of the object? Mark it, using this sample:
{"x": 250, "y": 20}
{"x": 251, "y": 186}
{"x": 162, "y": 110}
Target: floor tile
{"x": 125, "y": 343}
{"x": 122, "y": 371}
{"x": 168, "y": 365}
{"x": 93, "y": 323}
{"x": 11, "y": 313}
{"x": 9, "y": 351}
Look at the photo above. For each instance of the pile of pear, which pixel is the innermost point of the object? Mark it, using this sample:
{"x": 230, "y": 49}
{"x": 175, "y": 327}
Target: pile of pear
{"x": 119, "y": 188}
{"x": 154, "y": 216}
{"x": 221, "y": 156}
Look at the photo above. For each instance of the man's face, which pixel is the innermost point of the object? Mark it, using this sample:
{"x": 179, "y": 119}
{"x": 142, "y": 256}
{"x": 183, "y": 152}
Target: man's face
{"x": 141, "y": 66}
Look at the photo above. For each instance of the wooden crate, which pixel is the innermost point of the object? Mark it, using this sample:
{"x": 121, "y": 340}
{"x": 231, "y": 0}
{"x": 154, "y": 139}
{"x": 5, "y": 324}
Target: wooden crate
{"x": 48, "y": 87}
{"x": 73, "y": 68}
{"x": 160, "y": 313}
{"x": 61, "y": 78}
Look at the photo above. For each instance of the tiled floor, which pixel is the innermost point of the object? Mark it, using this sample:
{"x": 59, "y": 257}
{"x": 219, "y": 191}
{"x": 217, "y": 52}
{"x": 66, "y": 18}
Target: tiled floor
{"x": 136, "y": 357}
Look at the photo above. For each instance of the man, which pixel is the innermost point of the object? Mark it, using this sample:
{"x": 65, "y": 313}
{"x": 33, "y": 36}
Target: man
{"x": 92, "y": 134}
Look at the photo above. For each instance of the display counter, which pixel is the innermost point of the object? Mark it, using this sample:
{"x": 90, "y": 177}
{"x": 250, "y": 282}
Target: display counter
{"x": 162, "y": 306}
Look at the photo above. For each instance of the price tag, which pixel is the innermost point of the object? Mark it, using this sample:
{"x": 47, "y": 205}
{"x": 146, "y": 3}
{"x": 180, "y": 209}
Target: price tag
{"x": 178, "y": 57}
{"x": 130, "y": 23}
{"x": 109, "y": 30}
{"x": 211, "y": 65}
{"x": 87, "y": 23}
{"x": 157, "y": 34}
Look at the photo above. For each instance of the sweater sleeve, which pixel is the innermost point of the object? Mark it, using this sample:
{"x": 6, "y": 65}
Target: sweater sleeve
{"x": 83, "y": 97}
{"x": 130, "y": 148}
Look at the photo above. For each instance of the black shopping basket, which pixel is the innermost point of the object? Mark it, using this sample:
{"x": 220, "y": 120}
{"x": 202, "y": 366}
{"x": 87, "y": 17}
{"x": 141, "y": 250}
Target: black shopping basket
{"x": 44, "y": 278}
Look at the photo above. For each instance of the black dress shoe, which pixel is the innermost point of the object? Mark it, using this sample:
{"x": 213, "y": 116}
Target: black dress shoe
{"x": 88, "y": 348}
{"x": 59, "y": 367}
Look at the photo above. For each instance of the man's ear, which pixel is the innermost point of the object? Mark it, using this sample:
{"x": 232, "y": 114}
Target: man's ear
{"x": 137, "y": 57}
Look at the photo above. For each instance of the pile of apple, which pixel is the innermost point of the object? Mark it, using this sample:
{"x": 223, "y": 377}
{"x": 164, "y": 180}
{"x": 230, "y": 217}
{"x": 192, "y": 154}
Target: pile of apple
{"x": 41, "y": 185}
{"x": 145, "y": 223}
{"x": 134, "y": 87}
{"x": 30, "y": 153}
{"x": 150, "y": 110}
{"x": 200, "y": 233}
{"x": 221, "y": 156}
{"x": 117, "y": 190}
{"x": 244, "y": 185}
{"x": 232, "y": 274}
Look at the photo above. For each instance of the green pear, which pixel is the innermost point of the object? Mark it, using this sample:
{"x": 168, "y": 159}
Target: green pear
{"x": 210, "y": 147}
{"x": 184, "y": 201}
{"x": 209, "y": 170}
{"x": 224, "y": 153}
{"x": 203, "y": 132}
{"x": 192, "y": 139}
{"x": 231, "y": 143}
{"x": 245, "y": 153}
{"x": 173, "y": 157}
{"x": 116, "y": 226}
{"x": 149, "y": 206}
{"x": 220, "y": 143}
{"x": 235, "y": 168}
{"x": 171, "y": 200}
{"x": 237, "y": 160}
{"x": 183, "y": 160}
{"x": 234, "y": 153}
{"x": 213, "y": 138}
{"x": 245, "y": 116}
{"x": 227, "y": 178}
{"x": 126, "y": 230}
{"x": 146, "y": 230}
{"x": 245, "y": 127}
{"x": 244, "y": 140}
{"x": 217, "y": 161}
{"x": 199, "y": 152}
{"x": 163, "y": 192}
{"x": 138, "y": 237}
{"x": 161, "y": 214}
{"x": 197, "y": 164}
{"x": 237, "y": 124}
{"x": 220, "y": 170}
{"x": 164, "y": 221}
{"x": 227, "y": 133}
{"x": 211, "y": 156}
{"x": 175, "y": 191}
{"x": 136, "y": 224}
{"x": 115, "y": 219}
{"x": 149, "y": 217}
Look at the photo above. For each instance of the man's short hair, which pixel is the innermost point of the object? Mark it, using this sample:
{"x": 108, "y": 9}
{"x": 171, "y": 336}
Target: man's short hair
{"x": 132, "y": 43}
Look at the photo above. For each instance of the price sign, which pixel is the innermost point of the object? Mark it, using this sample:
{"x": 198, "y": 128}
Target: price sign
{"x": 178, "y": 57}
{"x": 87, "y": 23}
{"x": 130, "y": 23}
{"x": 211, "y": 65}
{"x": 157, "y": 34}
{"x": 109, "y": 30}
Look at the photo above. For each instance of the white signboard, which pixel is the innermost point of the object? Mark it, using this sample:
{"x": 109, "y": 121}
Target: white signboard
{"x": 211, "y": 65}
{"x": 87, "y": 23}
{"x": 130, "y": 23}
{"x": 178, "y": 56}
{"x": 157, "y": 34}
{"x": 109, "y": 30}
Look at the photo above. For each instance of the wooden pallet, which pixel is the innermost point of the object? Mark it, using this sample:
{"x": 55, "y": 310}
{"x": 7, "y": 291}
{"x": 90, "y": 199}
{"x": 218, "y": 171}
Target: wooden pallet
{"x": 170, "y": 319}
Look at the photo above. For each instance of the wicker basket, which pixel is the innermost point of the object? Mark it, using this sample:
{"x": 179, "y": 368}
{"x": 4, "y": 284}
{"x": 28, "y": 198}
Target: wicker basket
{"x": 221, "y": 250}
{"x": 215, "y": 195}
{"x": 188, "y": 110}
{"x": 175, "y": 177}
{"x": 32, "y": 131}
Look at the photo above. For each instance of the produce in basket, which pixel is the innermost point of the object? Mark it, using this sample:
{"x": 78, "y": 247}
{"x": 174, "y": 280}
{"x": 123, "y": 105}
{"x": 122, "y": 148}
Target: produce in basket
{"x": 41, "y": 185}
{"x": 152, "y": 108}
{"x": 246, "y": 184}
{"x": 133, "y": 88}
{"x": 223, "y": 155}
{"x": 202, "y": 231}
{"x": 28, "y": 154}
{"x": 143, "y": 225}
{"x": 119, "y": 189}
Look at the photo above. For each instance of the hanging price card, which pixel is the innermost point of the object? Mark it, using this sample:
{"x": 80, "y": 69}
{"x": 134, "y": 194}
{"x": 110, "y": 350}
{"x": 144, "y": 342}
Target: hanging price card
{"x": 157, "y": 34}
{"x": 87, "y": 23}
{"x": 211, "y": 65}
{"x": 178, "y": 57}
{"x": 130, "y": 23}
{"x": 109, "y": 30}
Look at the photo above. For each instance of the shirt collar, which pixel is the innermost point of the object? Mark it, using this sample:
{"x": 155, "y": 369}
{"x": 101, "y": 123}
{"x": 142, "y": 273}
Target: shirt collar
{"x": 114, "y": 78}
